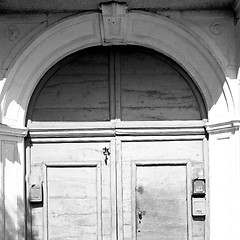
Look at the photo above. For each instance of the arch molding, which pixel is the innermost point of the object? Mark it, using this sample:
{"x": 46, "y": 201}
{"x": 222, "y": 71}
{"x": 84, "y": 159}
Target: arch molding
{"x": 83, "y": 31}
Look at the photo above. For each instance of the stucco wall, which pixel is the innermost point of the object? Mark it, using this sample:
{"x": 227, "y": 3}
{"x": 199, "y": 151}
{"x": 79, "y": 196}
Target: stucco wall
{"x": 215, "y": 28}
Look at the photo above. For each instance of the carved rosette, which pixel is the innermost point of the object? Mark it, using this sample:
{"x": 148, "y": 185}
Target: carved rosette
{"x": 216, "y": 28}
{"x": 12, "y": 32}
{"x": 113, "y": 23}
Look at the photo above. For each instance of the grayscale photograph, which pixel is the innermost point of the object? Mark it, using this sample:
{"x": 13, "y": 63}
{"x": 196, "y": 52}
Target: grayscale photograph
{"x": 119, "y": 120}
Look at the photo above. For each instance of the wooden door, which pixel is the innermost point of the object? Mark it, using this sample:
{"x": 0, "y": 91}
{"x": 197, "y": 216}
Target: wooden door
{"x": 148, "y": 113}
{"x": 155, "y": 189}
{"x": 77, "y": 184}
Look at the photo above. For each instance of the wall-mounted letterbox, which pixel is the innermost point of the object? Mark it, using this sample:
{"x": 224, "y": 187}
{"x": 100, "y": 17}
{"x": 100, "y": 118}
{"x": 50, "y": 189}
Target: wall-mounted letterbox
{"x": 198, "y": 207}
{"x": 199, "y": 187}
{"x": 198, "y": 198}
{"x": 35, "y": 195}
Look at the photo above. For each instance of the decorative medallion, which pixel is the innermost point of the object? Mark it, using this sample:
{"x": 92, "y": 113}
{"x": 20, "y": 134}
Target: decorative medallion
{"x": 216, "y": 28}
{"x": 12, "y": 32}
{"x": 114, "y": 22}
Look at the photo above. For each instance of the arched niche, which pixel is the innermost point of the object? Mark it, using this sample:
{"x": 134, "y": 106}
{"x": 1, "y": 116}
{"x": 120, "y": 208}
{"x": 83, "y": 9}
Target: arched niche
{"x": 143, "y": 29}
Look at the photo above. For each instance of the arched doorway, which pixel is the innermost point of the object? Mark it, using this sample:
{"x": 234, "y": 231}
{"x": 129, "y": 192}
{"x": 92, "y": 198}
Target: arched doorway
{"x": 116, "y": 136}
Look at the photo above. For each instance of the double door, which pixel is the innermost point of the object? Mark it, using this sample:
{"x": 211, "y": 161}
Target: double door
{"x": 116, "y": 139}
{"x": 115, "y": 189}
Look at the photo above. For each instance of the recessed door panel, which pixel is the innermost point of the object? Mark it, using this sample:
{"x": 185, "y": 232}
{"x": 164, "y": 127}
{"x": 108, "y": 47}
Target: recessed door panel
{"x": 77, "y": 91}
{"x": 73, "y": 202}
{"x": 152, "y": 89}
{"x": 161, "y": 202}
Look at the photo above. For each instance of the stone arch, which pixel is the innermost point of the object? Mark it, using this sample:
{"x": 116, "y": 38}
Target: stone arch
{"x": 82, "y": 31}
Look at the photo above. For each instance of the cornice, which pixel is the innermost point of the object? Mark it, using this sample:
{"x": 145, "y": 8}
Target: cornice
{"x": 211, "y": 128}
{"x": 221, "y": 127}
{"x": 13, "y": 132}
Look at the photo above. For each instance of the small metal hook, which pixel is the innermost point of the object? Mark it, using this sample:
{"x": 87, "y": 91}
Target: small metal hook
{"x": 106, "y": 153}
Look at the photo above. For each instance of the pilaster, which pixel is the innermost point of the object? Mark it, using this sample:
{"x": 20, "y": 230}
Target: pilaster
{"x": 12, "y": 215}
{"x": 224, "y": 180}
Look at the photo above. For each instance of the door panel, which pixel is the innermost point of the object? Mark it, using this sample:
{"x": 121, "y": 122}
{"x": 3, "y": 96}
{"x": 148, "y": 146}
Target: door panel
{"x": 161, "y": 203}
{"x": 156, "y": 150}
{"x": 77, "y": 201}
{"x": 72, "y": 202}
{"x": 78, "y": 91}
{"x": 151, "y": 89}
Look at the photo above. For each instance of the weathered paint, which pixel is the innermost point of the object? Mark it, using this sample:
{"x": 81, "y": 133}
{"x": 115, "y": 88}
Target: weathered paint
{"x": 150, "y": 89}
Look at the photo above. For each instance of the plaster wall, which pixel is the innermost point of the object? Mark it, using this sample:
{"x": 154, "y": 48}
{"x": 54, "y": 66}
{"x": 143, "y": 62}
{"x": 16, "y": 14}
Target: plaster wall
{"x": 215, "y": 30}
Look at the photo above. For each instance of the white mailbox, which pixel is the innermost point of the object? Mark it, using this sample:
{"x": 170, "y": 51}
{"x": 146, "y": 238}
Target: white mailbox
{"x": 198, "y": 207}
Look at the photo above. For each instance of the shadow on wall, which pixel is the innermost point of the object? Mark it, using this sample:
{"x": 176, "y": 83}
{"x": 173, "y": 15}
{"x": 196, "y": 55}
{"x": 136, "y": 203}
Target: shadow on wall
{"x": 13, "y": 211}
{"x": 15, "y": 226}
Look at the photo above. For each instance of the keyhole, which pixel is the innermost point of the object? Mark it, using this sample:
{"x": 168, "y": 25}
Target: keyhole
{"x": 140, "y": 216}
